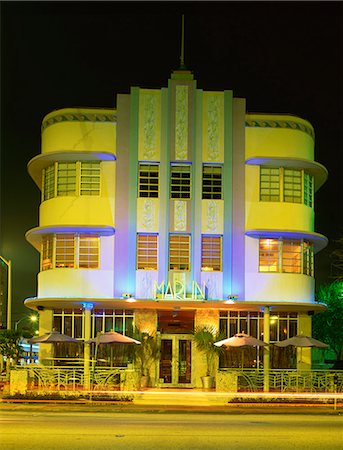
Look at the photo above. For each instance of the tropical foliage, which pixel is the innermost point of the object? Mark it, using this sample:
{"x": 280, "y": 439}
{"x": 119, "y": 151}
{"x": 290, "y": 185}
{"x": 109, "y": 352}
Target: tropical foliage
{"x": 9, "y": 346}
{"x": 204, "y": 339}
{"x": 147, "y": 353}
{"x": 328, "y": 325}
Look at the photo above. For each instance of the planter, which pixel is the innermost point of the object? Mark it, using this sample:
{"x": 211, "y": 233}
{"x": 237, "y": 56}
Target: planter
{"x": 144, "y": 382}
{"x": 207, "y": 382}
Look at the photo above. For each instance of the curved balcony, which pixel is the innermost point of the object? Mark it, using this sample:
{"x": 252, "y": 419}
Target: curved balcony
{"x": 279, "y": 216}
{"x": 79, "y": 129}
{"x": 69, "y": 211}
{"x": 80, "y": 283}
{"x": 285, "y": 288}
{"x": 278, "y": 136}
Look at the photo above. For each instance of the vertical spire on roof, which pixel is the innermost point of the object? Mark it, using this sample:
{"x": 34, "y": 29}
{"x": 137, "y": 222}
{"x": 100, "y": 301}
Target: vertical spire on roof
{"x": 182, "y": 72}
{"x": 182, "y": 56}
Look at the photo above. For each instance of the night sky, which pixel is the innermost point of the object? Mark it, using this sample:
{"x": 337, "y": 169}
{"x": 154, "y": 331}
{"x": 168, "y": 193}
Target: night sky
{"x": 281, "y": 57}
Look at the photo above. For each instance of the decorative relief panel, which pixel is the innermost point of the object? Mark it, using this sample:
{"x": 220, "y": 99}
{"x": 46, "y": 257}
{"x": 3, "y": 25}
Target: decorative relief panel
{"x": 181, "y": 123}
{"x": 180, "y": 215}
{"x": 79, "y": 117}
{"x": 213, "y": 216}
{"x": 214, "y": 284}
{"x": 149, "y": 125}
{"x": 145, "y": 281}
{"x": 214, "y": 127}
{"x": 147, "y": 215}
{"x": 179, "y": 277}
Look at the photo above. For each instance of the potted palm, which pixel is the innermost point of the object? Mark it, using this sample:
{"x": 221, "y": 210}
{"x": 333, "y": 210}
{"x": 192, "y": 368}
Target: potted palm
{"x": 204, "y": 339}
{"x": 145, "y": 355}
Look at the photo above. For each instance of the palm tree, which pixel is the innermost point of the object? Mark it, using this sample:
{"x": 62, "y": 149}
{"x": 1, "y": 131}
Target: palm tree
{"x": 204, "y": 339}
{"x": 146, "y": 353}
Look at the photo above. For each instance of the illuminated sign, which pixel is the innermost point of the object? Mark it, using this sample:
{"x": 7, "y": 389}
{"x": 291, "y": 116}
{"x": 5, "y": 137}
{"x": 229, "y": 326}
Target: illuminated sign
{"x": 177, "y": 291}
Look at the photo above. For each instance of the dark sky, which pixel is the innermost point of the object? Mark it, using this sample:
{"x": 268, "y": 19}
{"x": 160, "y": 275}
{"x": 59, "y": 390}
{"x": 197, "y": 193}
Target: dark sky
{"x": 281, "y": 57}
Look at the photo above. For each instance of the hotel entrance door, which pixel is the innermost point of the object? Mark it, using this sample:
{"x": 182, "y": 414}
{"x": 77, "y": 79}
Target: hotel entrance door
{"x": 176, "y": 360}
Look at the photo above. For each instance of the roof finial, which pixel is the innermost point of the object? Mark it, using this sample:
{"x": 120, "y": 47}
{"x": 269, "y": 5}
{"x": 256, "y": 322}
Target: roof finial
{"x": 182, "y": 57}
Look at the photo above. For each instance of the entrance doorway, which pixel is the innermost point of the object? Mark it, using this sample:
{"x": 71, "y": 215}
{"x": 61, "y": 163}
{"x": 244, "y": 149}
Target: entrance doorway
{"x": 175, "y": 368}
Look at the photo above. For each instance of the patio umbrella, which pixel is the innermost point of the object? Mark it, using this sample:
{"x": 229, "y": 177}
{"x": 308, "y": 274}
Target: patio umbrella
{"x": 240, "y": 340}
{"x": 301, "y": 341}
{"x": 110, "y": 337}
{"x": 51, "y": 337}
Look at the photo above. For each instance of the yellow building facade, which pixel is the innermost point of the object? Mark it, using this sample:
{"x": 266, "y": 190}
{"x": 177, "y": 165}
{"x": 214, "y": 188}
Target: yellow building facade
{"x": 176, "y": 210}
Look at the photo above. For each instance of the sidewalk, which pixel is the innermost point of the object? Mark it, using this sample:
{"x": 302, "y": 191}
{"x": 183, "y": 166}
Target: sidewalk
{"x": 162, "y": 400}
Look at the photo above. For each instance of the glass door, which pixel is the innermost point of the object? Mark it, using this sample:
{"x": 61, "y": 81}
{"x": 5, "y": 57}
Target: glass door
{"x": 176, "y": 361}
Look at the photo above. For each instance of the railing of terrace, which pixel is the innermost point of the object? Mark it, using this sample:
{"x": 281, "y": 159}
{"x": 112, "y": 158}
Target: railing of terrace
{"x": 282, "y": 380}
{"x": 67, "y": 378}
{"x": 50, "y": 378}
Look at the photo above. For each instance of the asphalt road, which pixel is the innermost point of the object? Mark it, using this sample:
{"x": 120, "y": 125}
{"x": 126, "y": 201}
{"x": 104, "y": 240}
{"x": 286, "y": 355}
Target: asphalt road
{"x": 93, "y": 430}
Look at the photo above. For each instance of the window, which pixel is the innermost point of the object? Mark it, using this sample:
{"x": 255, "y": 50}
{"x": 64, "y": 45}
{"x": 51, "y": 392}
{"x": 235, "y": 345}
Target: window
{"x": 286, "y": 256}
{"x": 68, "y": 250}
{"x": 47, "y": 252}
{"x": 71, "y": 178}
{"x": 269, "y": 184}
{"x": 269, "y": 255}
{"x": 291, "y": 256}
{"x": 232, "y": 322}
{"x": 148, "y": 180}
{"x": 211, "y": 253}
{"x": 212, "y": 182}
{"x": 49, "y": 183}
{"x": 180, "y": 181}
{"x": 69, "y": 322}
{"x": 66, "y": 179}
{"x": 308, "y": 190}
{"x": 179, "y": 252}
{"x": 90, "y": 178}
{"x": 65, "y": 251}
{"x": 308, "y": 259}
{"x": 147, "y": 252}
{"x": 282, "y": 326}
{"x": 292, "y": 186}
{"x": 119, "y": 320}
{"x": 88, "y": 252}
{"x": 287, "y": 185}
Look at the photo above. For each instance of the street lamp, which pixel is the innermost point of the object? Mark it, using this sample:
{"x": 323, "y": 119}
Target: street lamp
{"x": 33, "y": 318}
{"x": 9, "y": 290}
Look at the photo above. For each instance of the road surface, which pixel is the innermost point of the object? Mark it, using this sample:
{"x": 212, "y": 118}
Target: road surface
{"x": 93, "y": 430}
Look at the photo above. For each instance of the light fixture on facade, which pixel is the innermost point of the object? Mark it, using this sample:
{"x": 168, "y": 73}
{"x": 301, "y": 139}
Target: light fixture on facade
{"x": 231, "y": 299}
{"x": 88, "y": 305}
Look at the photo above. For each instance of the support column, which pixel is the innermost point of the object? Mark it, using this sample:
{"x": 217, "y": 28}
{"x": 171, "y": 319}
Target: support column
{"x": 266, "y": 349}
{"x": 86, "y": 351}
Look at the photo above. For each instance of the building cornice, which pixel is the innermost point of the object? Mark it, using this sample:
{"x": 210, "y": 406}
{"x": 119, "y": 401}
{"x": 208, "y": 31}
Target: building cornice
{"x": 280, "y": 122}
{"x": 69, "y": 115}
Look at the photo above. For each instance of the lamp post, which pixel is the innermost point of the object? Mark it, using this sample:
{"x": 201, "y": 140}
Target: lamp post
{"x": 9, "y": 290}
{"x": 33, "y": 318}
